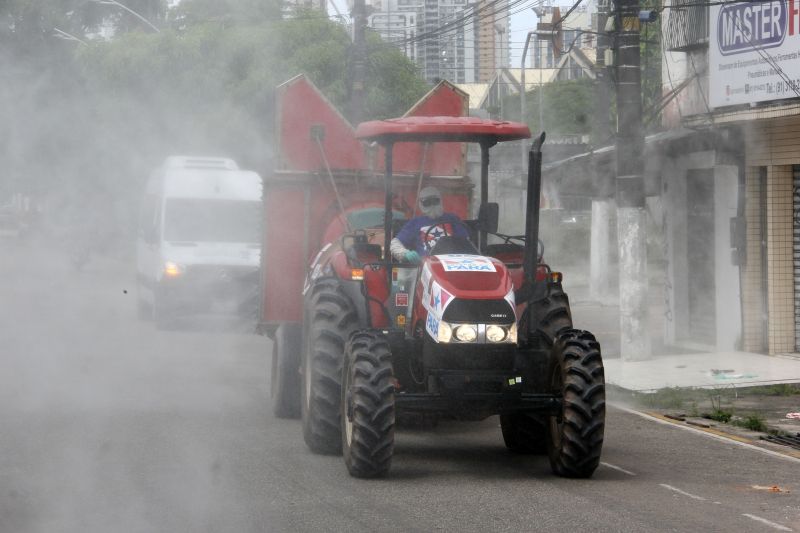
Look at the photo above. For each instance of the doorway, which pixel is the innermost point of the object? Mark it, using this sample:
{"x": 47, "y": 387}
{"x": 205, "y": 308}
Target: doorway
{"x": 702, "y": 325}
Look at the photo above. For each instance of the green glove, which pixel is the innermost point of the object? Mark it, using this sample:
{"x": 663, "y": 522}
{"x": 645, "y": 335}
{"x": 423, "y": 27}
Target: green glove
{"x": 412, "y": 257}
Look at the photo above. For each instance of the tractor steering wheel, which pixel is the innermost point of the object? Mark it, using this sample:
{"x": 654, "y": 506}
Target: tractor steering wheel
{"x": 445, "y": 233}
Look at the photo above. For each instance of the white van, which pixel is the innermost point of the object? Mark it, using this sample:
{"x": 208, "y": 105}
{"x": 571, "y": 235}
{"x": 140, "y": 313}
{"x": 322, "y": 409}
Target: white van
{"x": 199, "y": 240}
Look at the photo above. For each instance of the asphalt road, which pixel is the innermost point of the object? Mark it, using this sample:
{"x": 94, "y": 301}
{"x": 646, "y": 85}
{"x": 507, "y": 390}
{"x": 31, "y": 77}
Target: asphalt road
{"x": 109, "y": 425}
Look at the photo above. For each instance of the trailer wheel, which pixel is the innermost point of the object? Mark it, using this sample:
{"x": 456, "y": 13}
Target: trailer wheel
{"x": 330, "y": 319}
{"x": 368, "y": 413}
{"x": 524, "y": 433}
{"x": 575, "y": 434}
{"x": 284, "y": 388}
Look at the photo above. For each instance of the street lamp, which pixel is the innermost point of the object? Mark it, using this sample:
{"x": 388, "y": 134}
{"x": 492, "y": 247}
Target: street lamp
{"x": 129, "y": 10}
{"x": 540, "y": 34}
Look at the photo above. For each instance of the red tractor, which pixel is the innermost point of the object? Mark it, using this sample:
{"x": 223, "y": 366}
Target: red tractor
{"x": 477, "y": 329}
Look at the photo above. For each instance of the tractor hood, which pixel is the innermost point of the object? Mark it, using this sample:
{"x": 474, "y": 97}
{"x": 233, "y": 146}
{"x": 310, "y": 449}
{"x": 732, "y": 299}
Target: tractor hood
{"x": 468, "y": 290}
{"x": 472, "y": 277}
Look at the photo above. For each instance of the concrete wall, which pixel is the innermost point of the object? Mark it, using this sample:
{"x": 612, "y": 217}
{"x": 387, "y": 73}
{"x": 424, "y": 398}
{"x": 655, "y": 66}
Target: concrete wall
{"x": 679, "y": 267}
{"x": 728, "y": 293}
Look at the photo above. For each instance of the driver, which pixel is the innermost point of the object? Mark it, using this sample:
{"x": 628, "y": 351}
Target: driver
{"x": 420, "y": 234}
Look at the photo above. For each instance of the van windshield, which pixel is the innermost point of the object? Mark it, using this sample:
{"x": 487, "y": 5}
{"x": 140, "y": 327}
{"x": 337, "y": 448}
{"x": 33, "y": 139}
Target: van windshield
{"x": 206, "y": 220}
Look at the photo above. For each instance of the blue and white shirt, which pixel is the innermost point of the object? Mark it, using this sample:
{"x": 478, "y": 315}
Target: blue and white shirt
{"x": 423, "y": 232}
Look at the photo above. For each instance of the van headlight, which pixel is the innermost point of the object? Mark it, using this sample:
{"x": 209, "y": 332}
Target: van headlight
{"x": 173, "y": 269}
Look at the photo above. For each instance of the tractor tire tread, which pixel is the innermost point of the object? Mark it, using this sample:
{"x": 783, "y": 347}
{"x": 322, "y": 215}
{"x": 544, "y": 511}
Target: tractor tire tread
{"x": 581, "y": 435}
{"x": 369, "y": 454}
{"x": 332, "y": 318}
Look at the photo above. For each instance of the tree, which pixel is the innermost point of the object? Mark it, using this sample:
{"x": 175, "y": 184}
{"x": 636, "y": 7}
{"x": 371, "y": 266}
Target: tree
{"x": 567, "y": 107}
{"x": 98, "y": 114}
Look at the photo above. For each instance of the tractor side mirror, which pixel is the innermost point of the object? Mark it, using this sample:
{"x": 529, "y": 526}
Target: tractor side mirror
{"x": 488, "y": 216}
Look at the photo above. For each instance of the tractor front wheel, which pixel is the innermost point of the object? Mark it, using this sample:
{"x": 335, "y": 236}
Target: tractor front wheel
{"x": 368, "y": 413}
{"x": 575, "y": 434}
{"x": 330, "y": 319}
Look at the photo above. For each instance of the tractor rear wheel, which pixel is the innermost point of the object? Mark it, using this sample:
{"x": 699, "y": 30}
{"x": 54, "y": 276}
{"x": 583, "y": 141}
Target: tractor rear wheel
{"x": 575, "y": 434}
{"x": 330, "y": 319}
{"x": 524, "y": 433}
{"x": 284, "y": 388}
{"x": 368, "y": 413}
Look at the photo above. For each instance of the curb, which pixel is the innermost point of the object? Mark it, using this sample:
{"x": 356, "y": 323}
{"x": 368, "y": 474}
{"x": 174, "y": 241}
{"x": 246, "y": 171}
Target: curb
{"x": 718, "y": 434}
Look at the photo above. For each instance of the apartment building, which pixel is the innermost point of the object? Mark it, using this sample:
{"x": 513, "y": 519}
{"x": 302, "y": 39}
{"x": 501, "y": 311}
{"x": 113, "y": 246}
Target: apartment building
{"x": 575, "y": 30}
{"x": 456, "y": 40}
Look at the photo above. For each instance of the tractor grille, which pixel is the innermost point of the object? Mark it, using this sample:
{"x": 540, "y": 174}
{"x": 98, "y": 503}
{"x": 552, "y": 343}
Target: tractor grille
{"x": 479, "y": 311}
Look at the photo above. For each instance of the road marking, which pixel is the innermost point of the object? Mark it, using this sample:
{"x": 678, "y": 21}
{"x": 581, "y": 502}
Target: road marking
{"x": 609, "y": 465}
{"x": 684, "y": 493}
{"x": 714, "y": 435}
{"x": 773, "y": 525}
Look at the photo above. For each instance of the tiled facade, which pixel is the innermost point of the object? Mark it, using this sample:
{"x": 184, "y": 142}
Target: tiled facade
{"x": 780, "y": 263}
{"x": 773, "y": 145}
{"x": 752, "y": 293}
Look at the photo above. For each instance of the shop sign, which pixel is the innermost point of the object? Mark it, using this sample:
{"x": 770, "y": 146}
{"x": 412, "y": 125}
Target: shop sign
{"x": 754, "y": 52}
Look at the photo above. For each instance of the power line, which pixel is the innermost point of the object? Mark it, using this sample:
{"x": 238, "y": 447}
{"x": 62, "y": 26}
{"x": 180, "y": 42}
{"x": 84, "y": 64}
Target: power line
{"x": 471, "y": 18}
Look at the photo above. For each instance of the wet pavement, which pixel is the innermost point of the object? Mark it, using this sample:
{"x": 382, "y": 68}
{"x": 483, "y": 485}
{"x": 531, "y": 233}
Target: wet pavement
{"x": 112, "y": 425}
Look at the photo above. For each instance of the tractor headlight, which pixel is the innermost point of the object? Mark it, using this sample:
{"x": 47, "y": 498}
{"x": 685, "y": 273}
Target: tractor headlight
{"x": 466, "y": 332}
{"x": 495, "y": 333}
{"x": 445, "y": 333}
{"x": 512, "y": 333}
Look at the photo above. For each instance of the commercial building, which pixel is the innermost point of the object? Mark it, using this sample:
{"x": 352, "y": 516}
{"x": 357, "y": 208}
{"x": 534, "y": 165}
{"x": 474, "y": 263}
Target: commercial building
{"x": 722, "y": 178}
{"x": 734, "y": 229}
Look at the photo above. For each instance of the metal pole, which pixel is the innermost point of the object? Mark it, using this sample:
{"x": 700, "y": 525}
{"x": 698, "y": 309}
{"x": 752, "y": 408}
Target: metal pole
{"x": 603, "y": 208}
{"x": 541, "y": 102}
{"x": 484, "y": 189}
{"x": 522, "y": 110}
{"x": 387, "y": 211}
{"x": 532, "y": 207}
{"x": 631, "y": 230}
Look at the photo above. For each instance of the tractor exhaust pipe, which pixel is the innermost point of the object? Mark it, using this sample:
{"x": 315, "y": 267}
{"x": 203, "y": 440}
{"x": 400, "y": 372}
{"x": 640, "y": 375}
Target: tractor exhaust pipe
{"x": 532, "y": 212}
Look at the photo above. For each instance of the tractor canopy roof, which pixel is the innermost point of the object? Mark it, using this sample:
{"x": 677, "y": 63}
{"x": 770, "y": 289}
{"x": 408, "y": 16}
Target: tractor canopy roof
{"x": 441, "y": 129}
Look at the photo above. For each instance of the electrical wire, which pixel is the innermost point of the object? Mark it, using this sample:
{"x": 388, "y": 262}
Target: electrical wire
{"x": 472, "y": 18}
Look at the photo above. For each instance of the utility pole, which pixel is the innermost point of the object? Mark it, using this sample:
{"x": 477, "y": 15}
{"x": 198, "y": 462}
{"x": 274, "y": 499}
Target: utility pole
{"x": 359, "y": 58}
{"x": 603, "y": 201}
{"x": 631, "y": 230}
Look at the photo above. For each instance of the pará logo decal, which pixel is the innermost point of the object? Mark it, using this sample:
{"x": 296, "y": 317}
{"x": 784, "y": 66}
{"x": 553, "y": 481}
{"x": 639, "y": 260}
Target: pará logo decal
{"x": 466, "y": 263}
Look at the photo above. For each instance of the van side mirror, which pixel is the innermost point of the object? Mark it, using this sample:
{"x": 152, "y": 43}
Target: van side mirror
{"x": 488, "y": 217}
